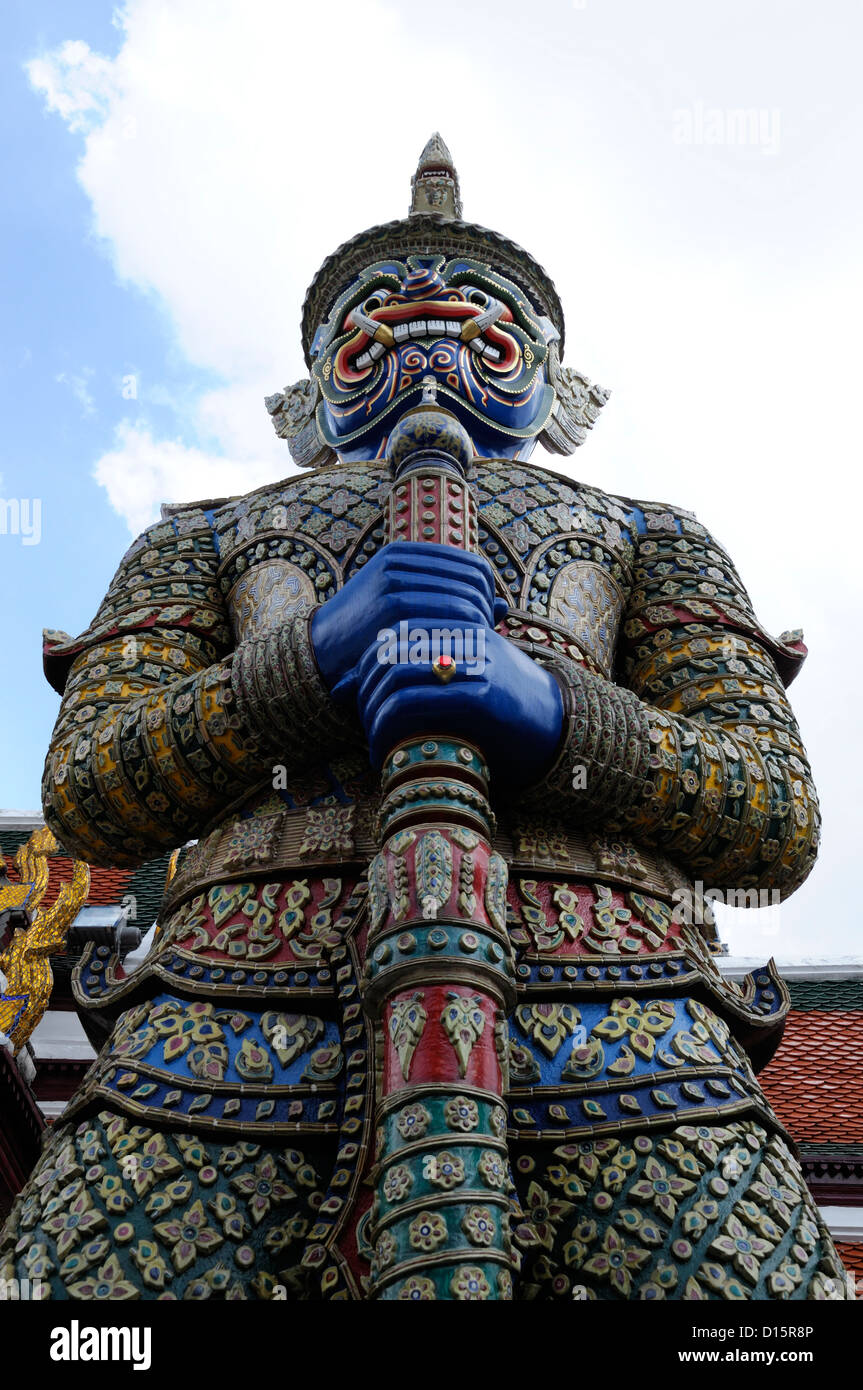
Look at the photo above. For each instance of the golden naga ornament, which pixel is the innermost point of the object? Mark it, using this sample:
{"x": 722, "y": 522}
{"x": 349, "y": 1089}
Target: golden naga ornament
{"x": 25, "y": 969}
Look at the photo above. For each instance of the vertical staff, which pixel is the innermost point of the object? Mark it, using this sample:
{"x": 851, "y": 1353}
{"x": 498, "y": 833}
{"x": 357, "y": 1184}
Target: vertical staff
{"x": 439, "y": 970}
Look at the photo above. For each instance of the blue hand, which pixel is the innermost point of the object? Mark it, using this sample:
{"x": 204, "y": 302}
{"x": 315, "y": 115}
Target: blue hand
{"x": 400, "y": 581}
{"x": 499, "y": 698}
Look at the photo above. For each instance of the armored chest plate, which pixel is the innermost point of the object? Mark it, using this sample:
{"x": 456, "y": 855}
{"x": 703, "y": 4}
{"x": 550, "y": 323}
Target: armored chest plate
{"x": 267, "y": 595}
{"x": 585, "y": 599}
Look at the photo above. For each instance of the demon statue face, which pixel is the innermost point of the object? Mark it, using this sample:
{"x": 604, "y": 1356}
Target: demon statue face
{"x": 458, "y": 321}
{"x": 433, "y": 296}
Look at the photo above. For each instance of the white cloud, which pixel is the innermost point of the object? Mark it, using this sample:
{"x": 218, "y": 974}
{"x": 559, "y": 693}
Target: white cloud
{"x": 76, "y": 83}
{"x": 140, "y": 472}
{"x": 77, "y": 383}
{"x": 205, "y": 143}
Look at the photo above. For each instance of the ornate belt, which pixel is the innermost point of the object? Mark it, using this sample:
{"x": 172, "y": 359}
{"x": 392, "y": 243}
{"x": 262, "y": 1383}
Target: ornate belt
{"x": 273, "y": 841}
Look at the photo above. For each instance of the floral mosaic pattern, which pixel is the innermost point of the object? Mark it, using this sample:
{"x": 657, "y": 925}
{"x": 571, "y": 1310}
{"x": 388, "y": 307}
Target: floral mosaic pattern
{"x": 654, "y": 1218}
{"x": 116, "y": 1211}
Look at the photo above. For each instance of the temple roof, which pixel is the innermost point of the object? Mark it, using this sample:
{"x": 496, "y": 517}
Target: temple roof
{"x": 815, "y": 1080}
{"x": 108, "y": 887}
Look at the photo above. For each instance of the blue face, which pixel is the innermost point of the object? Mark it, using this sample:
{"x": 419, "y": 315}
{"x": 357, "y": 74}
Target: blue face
{"x": 459, "y": 322}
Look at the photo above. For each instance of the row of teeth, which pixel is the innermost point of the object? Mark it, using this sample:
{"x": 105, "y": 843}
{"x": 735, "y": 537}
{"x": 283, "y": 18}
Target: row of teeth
{"x": 430, "y": 328}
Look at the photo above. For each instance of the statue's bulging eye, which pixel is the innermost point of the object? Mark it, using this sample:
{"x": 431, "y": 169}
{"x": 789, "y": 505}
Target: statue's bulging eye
{"x": 374, "y": 301}
{"x": 477, "y": 297}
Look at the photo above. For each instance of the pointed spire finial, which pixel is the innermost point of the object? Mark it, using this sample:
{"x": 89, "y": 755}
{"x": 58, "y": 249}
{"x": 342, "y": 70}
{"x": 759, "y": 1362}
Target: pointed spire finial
{"x": 434, "y": 186}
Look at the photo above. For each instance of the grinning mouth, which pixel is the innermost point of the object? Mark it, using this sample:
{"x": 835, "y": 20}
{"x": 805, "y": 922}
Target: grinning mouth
{"x": 391, "y": 327}
{"x": 428, "y": 328}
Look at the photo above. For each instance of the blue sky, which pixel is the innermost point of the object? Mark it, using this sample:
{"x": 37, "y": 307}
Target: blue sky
{"x": 70, "y": 333}
{"x": 688, "y": 174}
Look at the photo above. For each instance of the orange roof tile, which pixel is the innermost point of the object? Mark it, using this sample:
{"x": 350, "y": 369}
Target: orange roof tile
{"x": 850, "y": 1253}
{"x": 107, "y": 886}
{"x": 815, "y": 1081}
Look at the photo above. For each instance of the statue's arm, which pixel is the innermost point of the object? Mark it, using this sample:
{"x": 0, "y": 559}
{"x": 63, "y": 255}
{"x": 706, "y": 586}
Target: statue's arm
{"x": 163, "y": 721}
{"x": 695, "y": 749}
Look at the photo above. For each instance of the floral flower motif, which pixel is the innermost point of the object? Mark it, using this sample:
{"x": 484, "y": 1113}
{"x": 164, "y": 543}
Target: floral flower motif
{"x": 492, "y": 1168}
{"x": 77, "y": 1223}
{"x": 171, "y": 1195}
{"x": 154, "y": 1272}
{"x": 398, "y": 1183}
{"x": 38, "y": 1262}
{"x": 64, "y": 1196}
{"x": 417, "y": 1289}
{"x": 107, "y": 1283}
{"x": 584, "y": 1234}
{"x": 560, "y": 1176}
{"x": 639, "y": 1224}
{"x": 91, "y": 1253}
{"x": 716, "y": 1027}
{"x": 543, "y": 1214}
{"x": 224, "y": 1208}
{"x": 722, "y": 1280}
{"x": 427, "y": 1231}
{"x": 614, "y": 1174}
{"x": 588, "y": 1156}
{"x": 180, "y": 1025}
{"x": 252, "y": 1061}
{"x": 504, "y": 1285}
{"x": 195, "y": 1153}
{"x": 684, "y": 1161}
{"x": 784, "y": 1281}
{"x": 445, "y": 1170}
{"x": 301, "y": 1172}
{"x": 413, "y": 1121}
{"x": 150, "y": 1165}
{"x": 745, "y": 1249}
{"x": 705, "y": 1139}
{"x": 134, "y": 1044}
{"x": 548, "y": 1024}
{"x": 497, "y": 1121}
{"x": 461, "y": 1113}
{"x": 470, "y": 1285}
{"x": 189, "y": 1236}
{"x": 262, "y": 1189}
{"x": 125, "y": 1139}
{"x": 639, "y": 1024}
{"x": 661, "y": 1188}
{"x": 616, "y": 1261}
{"x": 64, "y": 1168}
{"x": 478, "y": 1225}
{"x": 780, "y": 1196}
{"x": 385, "y": 1250}
{"x": 700, "y": 1216}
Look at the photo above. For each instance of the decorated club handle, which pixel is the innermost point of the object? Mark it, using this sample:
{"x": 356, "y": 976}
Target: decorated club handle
{"x": 439, "y": 969}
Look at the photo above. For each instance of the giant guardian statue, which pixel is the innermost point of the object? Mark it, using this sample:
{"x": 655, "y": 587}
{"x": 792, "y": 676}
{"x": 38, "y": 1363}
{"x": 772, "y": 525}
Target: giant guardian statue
{"x": 459, "y": 745}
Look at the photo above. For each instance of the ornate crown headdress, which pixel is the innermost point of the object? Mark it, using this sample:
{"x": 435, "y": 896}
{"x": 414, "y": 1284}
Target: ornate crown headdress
{"x": 433, "y": 226}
